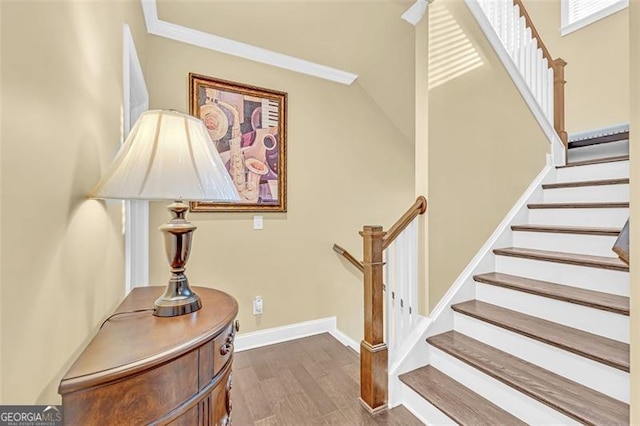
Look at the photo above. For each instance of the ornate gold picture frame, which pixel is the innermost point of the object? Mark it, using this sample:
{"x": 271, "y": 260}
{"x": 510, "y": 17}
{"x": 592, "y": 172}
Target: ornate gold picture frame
{"x": 248, "y": 126}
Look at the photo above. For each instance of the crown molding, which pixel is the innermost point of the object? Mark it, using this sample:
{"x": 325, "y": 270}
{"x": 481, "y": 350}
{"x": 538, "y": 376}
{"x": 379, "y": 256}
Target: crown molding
{"x": 205, "y": 40}
{"x": 416, "y": 12}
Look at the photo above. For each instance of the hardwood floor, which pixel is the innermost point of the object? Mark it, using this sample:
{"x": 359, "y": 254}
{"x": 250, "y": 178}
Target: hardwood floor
{"x": 309, "y": 381}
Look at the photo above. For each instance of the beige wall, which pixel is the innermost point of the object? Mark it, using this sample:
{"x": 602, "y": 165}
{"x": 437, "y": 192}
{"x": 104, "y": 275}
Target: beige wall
{"x": 634, "y": 152}
{"x": 597, "y": 73}
{"x": 348, "y": 165}
{"x": 62, "y": 255}
{"x": 485, "y": 148}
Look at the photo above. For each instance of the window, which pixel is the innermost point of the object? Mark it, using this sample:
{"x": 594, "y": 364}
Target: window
{"x": 579, "y": 13}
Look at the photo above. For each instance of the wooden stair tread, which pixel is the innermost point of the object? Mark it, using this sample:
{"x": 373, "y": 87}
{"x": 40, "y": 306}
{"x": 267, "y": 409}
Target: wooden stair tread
{"x": 579, "y": 296}
{"x": 460, "y": 403}
{"x": 601, "y": 349}
{"x": 597, "y": 140}
{"x": 616, "y": 205}
{"x": 601, "y": 262}
{"x": 602, "y": 182}
{"x": 574, "y": 400}
{"x": 596, "y": 161}
{"x": 611, "y": 232}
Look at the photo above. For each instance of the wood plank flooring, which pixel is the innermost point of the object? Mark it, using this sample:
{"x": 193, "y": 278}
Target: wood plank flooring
{"x": 612, "y": 263}
{"x": 579, "y": 402}
{"x": 594, "y": 299}
{"x": 309, "y": 381}
{"x": 598, "y": 348}
{"x": 458, "y": 402}
{"x": 596, "y": 161}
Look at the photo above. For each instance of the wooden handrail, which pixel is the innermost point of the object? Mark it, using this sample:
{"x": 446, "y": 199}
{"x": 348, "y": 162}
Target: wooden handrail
{"x": 419, "y": 207}
{"x": 534, "y": 31}
{"x": 349, "y": 257}
{"x": 373, "y": 349}
{"x": 559, "y": 82}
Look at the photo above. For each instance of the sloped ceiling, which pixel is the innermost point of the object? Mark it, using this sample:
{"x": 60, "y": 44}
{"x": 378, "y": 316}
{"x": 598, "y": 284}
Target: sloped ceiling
{"x": 366, "y": 38}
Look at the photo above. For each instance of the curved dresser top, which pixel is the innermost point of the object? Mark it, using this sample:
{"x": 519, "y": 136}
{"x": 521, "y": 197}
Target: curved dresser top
{"x": 134, "y": 342}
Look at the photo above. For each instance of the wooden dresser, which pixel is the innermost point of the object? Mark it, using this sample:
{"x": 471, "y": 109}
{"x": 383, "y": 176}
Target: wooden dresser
{"x": 140, "y": 369}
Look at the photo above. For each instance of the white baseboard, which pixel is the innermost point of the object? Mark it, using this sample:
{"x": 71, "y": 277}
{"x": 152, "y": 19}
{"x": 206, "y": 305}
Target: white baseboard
{"x": 298, "y": 330}
{"x": 345, "y": 340}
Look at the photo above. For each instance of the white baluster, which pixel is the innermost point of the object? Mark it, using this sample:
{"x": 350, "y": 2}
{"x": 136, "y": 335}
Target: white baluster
{"x": 541, "y": 69}
{"x": 388, "y": 282}
{"x": 534, "y": 67}
{"x": 515, "y": 14}
{"x": 551, "y": 103}
{"x": 523, "y": 45}
{"x": 495, "y": 21}
{"x": 544, "y": 101}
{"x": 526, "y": 68}
{"x": 405, "y": 284}
{"x": 509, "y": 29}
{"x": 483, "y": 5}
{"x": 503, "y": 21}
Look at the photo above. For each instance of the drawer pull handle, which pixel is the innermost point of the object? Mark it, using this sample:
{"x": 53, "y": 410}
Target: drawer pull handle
{"x": 227, "y": 346}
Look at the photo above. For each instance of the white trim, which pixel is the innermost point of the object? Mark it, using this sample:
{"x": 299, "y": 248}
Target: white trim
{"x": 231, "y": 47}
{"x": 589, "y": 19}
{"x": 412, "y": 354}
{"x": 424, "y": 411}
{"x": 136, "y": 233}
{"x": 345, "y": 340}
{"x": 416, "y": 12}
{"x": 557, "y": 147}
{"x": 604, "y": 131}
{"x": 299, "y": 330}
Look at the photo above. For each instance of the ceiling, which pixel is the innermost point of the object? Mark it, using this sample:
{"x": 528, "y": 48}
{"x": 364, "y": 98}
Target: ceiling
{"x": 364, "y": 37}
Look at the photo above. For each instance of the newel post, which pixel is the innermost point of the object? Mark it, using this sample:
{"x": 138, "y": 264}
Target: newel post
{"x": 373, "y": 350}
{"x": 558, "y": 99}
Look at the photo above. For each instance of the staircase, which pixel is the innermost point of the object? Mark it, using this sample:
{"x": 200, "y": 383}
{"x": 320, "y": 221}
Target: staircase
{"x": 546, "y": 339}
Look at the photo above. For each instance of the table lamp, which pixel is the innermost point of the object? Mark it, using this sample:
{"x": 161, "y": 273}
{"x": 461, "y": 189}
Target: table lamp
{"x": 170, "y": 156}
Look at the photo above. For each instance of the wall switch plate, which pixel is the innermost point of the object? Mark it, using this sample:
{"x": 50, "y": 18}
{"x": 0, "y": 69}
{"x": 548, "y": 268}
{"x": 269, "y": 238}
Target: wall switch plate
{"x": 258, "y": 222}
{"x": 257, "y": 306}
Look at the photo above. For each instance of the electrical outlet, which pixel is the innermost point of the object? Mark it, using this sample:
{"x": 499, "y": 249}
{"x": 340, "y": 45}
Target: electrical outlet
{"x": 257, "y": 306}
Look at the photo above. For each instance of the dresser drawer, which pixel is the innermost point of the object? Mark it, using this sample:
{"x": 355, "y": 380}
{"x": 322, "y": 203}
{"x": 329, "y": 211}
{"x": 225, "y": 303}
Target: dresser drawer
{"x": 176, "y": 372}
{"x": 223, "y": 348}
{"x": 138, "y": 400}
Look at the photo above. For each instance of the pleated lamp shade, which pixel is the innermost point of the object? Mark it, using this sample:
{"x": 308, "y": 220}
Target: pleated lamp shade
{"x": 167, "y": 156}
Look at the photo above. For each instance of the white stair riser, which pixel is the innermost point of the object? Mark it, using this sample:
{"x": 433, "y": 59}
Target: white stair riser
{"x": 605, "y": 280}
{"x": 604, "y": 150}
{"x": 504, "y": 396}
{"x": 595, "y": 321}
{"x": 592, "y": 374}
{"x": 601, "y": 218}
{"x": 423, "y": 409}
{"x": 596, "y": 245}
{"x": 613, "y": 170}
{"x": 585, "y": 194}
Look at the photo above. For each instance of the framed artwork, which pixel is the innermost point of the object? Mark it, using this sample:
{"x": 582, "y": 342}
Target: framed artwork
{"x": 248, "y": 126}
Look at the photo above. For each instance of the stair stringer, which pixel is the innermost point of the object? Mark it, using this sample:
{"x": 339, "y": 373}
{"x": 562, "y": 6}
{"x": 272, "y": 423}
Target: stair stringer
{"x": 416, "y": 353}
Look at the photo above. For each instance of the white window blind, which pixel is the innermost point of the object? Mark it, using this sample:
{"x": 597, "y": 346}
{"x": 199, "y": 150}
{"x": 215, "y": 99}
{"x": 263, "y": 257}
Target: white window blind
{"x": 579, "y": 13}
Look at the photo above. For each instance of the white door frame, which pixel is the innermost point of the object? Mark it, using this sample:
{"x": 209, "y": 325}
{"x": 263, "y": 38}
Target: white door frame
{"x": 136, "y": 213}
